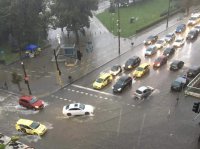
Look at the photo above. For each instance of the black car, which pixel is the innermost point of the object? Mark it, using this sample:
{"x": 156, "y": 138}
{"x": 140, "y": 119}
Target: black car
{"x": 181, "y": 28}
{"x": 169, "y": 51}
{"x": 151, "y": 40}
{"x": 193, "y": 34}
{"x": 132, "y": 63}
{"x": 176, "y": 64}
{"x": 197, "y": 27}
{"x": 179, "y": 84}
{"x": 170, "y": 37}
{"x": 193, "y": 71}
{"x": 121, "y": 83}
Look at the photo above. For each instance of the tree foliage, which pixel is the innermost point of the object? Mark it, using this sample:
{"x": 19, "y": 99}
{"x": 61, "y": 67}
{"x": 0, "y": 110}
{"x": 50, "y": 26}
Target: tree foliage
{"x": 73, "y": 14}
{"x": 21, "y": 21}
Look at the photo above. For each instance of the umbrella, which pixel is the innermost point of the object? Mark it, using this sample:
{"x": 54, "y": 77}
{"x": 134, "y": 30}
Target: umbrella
{"x": 31, "y": 47}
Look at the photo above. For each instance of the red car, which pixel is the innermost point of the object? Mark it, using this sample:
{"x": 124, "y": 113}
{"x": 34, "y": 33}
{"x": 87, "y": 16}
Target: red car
{"x": 31, "y": 102}
{"x": 161, "y": 60}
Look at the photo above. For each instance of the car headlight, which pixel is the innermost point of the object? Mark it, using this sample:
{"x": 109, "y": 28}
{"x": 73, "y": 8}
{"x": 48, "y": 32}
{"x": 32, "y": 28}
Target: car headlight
{"x": 144, "y": 41}
{"x": 37, "y": 107}
{"x": 129, "y": 66}
{"x": 119, "y": 89}
{"x": 192, "y": 36}
{"x": 167, "y": 54}
{"x": 158, "y": 65}
{"x": 123, "y": 66}
{"x": 112, "y": 87}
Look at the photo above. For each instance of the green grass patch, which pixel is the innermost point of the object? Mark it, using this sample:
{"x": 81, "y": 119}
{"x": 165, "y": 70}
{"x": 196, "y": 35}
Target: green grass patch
{"x": 145, "y": 12}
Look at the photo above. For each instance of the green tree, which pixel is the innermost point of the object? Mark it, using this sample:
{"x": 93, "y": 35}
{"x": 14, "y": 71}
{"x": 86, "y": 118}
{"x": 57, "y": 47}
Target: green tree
{"x": 22, "y": 21}
{"x": 73, "y": 14}
{"x": 16, "y": 79}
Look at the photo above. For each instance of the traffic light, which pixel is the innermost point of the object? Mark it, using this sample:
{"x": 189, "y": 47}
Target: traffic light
{"x": 195, "y": 108}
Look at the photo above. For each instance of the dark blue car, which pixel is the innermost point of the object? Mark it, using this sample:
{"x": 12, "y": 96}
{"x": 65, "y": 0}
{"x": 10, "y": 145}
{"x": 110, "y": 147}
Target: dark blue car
{"x": 181, "y": 28}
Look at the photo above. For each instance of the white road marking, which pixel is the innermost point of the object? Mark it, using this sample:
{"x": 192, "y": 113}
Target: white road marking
{"x": 61, "y": 98}
{"x": 65, "y": 99}
{"x": 86, "y": 88}
{"x": 141, "y": 129}
{"x": 119, "y": 122}
{"x": 77, "y": 91}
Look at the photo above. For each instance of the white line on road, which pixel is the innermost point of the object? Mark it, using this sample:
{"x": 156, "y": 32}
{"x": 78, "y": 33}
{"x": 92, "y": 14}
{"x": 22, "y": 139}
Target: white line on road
{"x": 119, "y": 122}
{"x": 86, "y": 88}
{"x": 141, "y": 129}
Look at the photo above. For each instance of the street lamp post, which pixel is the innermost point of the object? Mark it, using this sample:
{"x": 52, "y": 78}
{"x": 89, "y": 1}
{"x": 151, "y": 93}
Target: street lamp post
{"x": 26, "y": 78}
{"x": 168, "y": 13}
{"x": 118, "y": 24}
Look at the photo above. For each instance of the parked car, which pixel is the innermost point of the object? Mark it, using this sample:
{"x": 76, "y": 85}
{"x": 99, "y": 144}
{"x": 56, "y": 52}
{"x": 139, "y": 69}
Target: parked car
{"x": 143, "y": 92}
{"x": 179, "y": 84}
{"x": 31, "y": 102}
{"x": 115, "y": 70}
{"x": 151, "y": 40}
{"x": 141, "y": 70}
{"x": 103, "y": 80}
{"x": 122, "y": 83}
{"x": 160, "y": 43}
{"x": 169, "y": 51}
{"x": 77, "y": 109}
{"x": 179, "y": 42}
{"x": 197, "y": 27}
{"x": 132, "y": 63}
{"x": 181, "y": 28}
{"x": 30, "y": 127}
{"x": 170, "y": 37}
{"x": 193, "y": 34}
{"x": 176, "y": 64}
{"x": 161, "y": 60}
{"x": 193, "y": 71}
{"x": 151, "y": 50}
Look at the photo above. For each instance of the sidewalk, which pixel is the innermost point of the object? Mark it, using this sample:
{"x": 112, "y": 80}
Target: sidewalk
{"x": 42, "y": 71}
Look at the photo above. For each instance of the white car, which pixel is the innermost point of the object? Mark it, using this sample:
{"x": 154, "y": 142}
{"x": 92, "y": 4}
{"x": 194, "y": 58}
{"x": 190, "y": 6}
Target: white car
{"x": 151, "y": 50}
{"x": 197, "y": 27}
{"x": 160, "y": 43}
{"x": 143, "y": 92}
{"x": 115, "y": 70}
{"x": 78, "y": 109}
{"x": 179, "y": 42}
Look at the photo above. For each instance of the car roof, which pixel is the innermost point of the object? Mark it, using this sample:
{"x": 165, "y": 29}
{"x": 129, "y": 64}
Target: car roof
{"x": 181, "y": 25}
{"x": 104, "y": 75}
{"x": 161, "y": 57}
{"x": 180, "y": 79}
{"x": 142, "y": 88}
{"x": 25, "y": 122}
{"x": 27, "y": 97}
{"x": 168, "y": 49}
{"x": 74, "y": 105}
{"x": 144, "y": 65}
{"x": 122, "y": 78}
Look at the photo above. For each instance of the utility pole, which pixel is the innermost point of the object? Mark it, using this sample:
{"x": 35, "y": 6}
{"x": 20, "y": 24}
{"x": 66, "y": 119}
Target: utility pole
{"x": 26, "y": 79}
{"x": 119, "y": 29}
{"x": 168, "y": 13}
{"x": 58, "y": 72}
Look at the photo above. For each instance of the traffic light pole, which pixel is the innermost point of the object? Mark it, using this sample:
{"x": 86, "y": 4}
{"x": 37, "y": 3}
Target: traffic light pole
{"x": 26, "y": 78}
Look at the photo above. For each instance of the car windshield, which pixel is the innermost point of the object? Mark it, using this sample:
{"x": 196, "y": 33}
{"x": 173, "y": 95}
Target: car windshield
{"x": 191, "y": 32}
{"x": 129, "y": 62}
{"x": 160, "y": 41}
{"x": 82, "y": 106}
{"x": 114, "y": 68}
{"x": 167, "y": 50}
{"x": 178, "y": 40}
{"x": 150, "y": 37}
{"x": 140, "y": 69}
{"x": 158, "y": 59}
{"x": 33, "y": 100}
{"x": 138, "y": 91}
{"x": 169, "y": 36}
{"x": 120, "y": 81}
{"x": 149, "y": 49}
{"x": 99, "y": 80}
{"x": 35, "y": 125}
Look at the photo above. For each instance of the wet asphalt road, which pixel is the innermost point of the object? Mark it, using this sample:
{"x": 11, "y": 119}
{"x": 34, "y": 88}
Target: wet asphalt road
{"x": 120, "y": 122}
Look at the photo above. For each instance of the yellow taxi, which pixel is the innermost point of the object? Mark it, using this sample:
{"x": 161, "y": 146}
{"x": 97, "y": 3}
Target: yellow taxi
{"x": 103, "y": 80}
{"x": 141, "y": 70}
{"x": 30, "y": 127}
